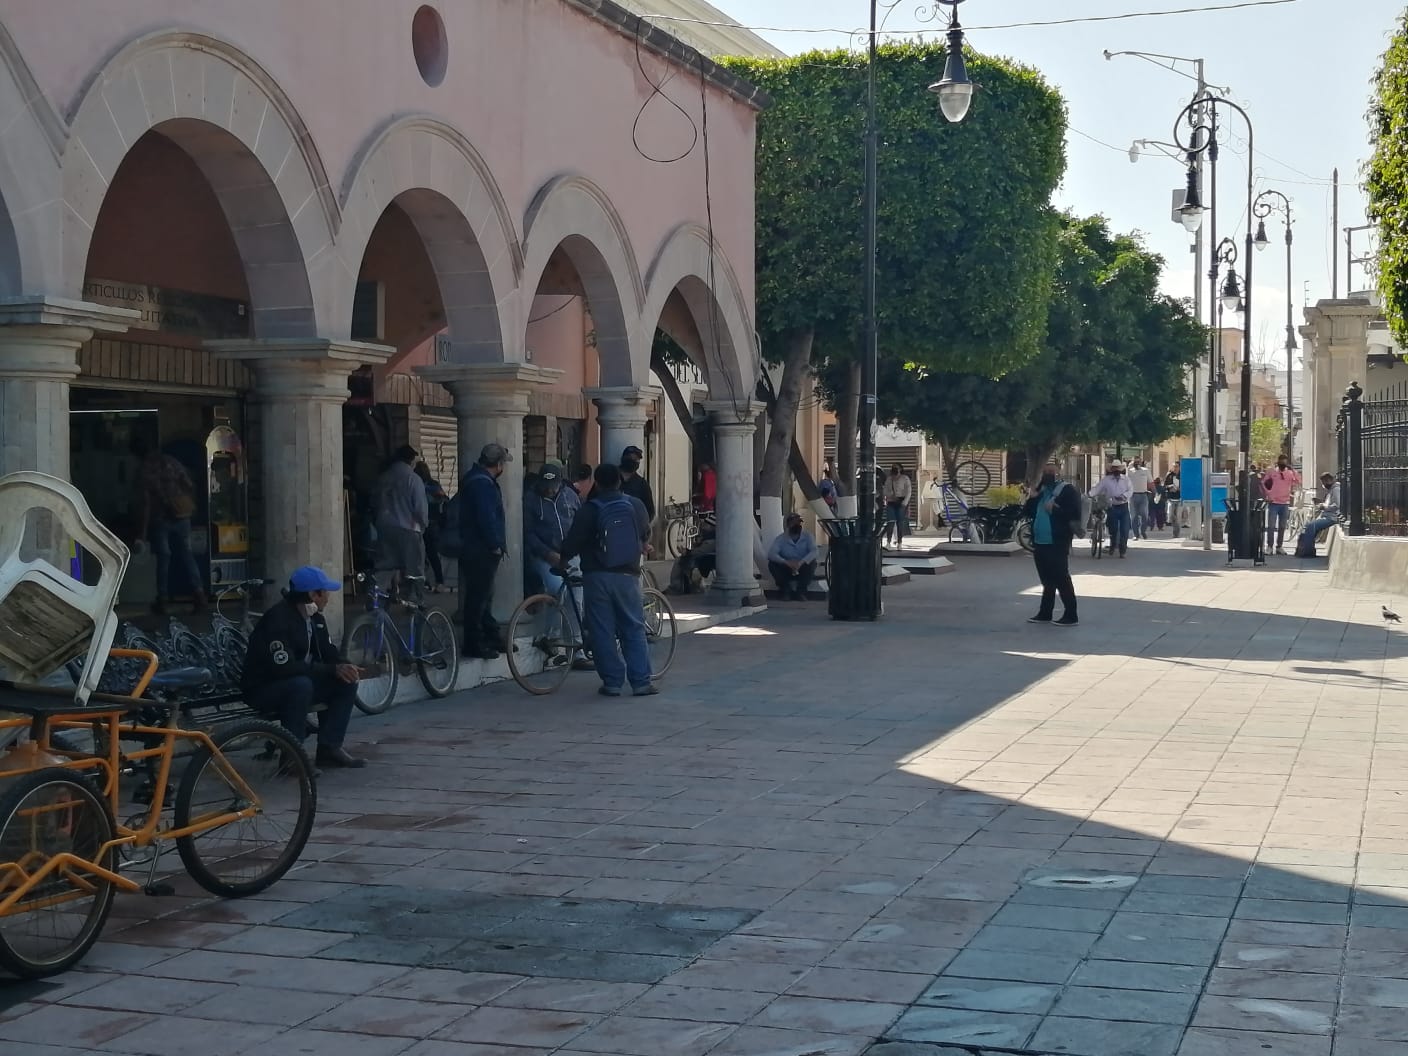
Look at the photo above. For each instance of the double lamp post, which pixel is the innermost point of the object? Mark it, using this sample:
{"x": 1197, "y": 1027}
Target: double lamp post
{"x": 955, "y": 94}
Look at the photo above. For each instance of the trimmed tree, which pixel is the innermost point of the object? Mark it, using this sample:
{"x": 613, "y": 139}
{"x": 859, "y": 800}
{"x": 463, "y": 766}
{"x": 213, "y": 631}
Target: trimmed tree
{"x": 1386, "y": 178}
{"x": 966, "y": 247}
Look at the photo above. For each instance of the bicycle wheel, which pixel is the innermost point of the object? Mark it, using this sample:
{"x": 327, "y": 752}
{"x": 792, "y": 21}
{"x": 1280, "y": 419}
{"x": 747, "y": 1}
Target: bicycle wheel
{"x": 437, "y": 652}
{"x": 541, "y": 644}
{"x": 972, "y": 477}
{"x": 231, "y": 647}
{"x": 368, "y": 646}
{"x": 258, "y": 770}
{"x": 677, "y": 537}
{"x": 965, "y": 531}
{"x": 662, "y": 632}
{"x": 43, "y": 814}
{"x": 647, "y": 579}
{"x": 1024, "y": 535}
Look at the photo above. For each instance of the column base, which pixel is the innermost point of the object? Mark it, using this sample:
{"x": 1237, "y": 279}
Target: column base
{"x": 738, "y": 597}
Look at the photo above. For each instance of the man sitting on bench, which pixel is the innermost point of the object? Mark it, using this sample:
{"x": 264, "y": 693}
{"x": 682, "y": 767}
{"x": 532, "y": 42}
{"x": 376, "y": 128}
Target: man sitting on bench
{"x": 292, "y": 666}
{"x": 792, "y": 559}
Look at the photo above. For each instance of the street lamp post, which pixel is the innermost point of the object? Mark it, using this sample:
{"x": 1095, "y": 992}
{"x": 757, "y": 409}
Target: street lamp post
{"x": 955, "y": 94}
{"x": 1201, "y": 116}
{"x": 1268, "y": 202}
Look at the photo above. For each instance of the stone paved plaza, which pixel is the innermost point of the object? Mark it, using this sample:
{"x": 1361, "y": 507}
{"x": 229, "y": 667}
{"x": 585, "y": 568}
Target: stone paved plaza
{"x": 1177, "y": 829}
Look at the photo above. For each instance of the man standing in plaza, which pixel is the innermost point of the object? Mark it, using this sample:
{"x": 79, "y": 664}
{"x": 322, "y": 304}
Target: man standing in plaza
{"x": 1173, "y": 497}
{"x": 1055, "y": 512}
{"x": 482, "y": 546}
{"x": 933, "y": 498}
{"x": 1280, "y": 485}
{"x": 1117, "y": 489}
{"x": 402, "y": 516}
{"x": 1139, "y": 478}
{"x": 609, "y": 535}
{"x": 633, "y": 483}
{"x": 897, "y": 492}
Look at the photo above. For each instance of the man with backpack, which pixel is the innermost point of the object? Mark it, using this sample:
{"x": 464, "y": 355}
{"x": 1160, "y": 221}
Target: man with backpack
{"x": 474, "y": 532}
{"x": 609, "y": 534}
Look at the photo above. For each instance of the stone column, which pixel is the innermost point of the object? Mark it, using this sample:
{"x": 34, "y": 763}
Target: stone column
{"x": 39, "y": 343}
{"x": 622, "y": 413}
{"x": 491, "y": 401}
{"x": 734, "y": 423}
{"x": 301, "y": 386}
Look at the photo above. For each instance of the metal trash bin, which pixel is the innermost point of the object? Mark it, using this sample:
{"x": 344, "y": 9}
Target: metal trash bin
{"x": 1255, "y": 547}
{"x": 853, "y": 577}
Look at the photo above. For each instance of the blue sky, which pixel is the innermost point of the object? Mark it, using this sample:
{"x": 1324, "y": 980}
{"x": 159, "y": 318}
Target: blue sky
{"x": 1301, "y": 69}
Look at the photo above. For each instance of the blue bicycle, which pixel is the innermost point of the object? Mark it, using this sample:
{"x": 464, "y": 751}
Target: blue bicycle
{"x": 374, "y": 644}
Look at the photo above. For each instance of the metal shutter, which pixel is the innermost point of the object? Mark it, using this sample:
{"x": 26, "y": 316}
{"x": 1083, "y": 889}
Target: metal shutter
{"x": 438, "y": 444}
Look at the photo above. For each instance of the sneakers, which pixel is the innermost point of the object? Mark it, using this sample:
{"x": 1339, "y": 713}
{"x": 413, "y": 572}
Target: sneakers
{"x": 338, "y": 758}
{"x": 1038, "y": 619}
{"x": 1068, "y": 621}
{"x": 650, "y": 689}
{"x": 607, "y": 691}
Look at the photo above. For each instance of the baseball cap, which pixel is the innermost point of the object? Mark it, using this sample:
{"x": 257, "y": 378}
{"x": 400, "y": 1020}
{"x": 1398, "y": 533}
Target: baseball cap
{"x": 309, "y": 578}
{"x": 550, "y": 471}
{"x": 494, "y": 455}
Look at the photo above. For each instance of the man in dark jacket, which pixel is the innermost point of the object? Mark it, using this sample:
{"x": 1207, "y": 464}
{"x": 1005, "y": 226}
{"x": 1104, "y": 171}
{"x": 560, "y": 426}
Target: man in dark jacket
{"x": 614, "y": 607}
{"x": 291, "y": 665}
{"x": 547, "y": 516}
{"x": 483, "y": 543}
{"x": 1055, "y": 510}
{"x": 633, "y": 483}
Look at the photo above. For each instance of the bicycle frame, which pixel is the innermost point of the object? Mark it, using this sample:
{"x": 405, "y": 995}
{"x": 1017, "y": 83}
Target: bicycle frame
{"x": 111, "y": 766}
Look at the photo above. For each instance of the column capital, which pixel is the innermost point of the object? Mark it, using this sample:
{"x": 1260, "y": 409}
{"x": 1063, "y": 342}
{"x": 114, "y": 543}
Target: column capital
{"x": 489, "y": 389}
{"x": 61, "y": 313}
{"x": 302, "y": 368}
{"x": 740, "y": 415}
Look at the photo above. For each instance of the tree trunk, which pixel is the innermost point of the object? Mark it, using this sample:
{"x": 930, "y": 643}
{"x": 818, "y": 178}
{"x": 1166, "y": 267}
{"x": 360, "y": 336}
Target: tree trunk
{"x": 1037, "y": 457}
{"x": 949, "y": 452}
{"x": 847, "y": 423}
{"x": 796, "y": 369}
{"x": 671, "y": 386}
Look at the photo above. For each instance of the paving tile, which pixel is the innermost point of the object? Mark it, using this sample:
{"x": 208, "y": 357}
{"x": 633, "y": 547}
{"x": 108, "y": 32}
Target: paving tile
{"x": 964, "y": 1026}
{"x": 625, "y": 1035}
{"x": 1131, "y": 975}
{"x": 1278, "y": 986}
{"x": 388, "y": 1015}
{"x": 699, "y": 1004}
{"x": 1135, "y": 1006}
{"x": 519, "y": 1026}
{"x": 459, "y": 988}
{"x": 828, "y": 1016}
{"x": 770, "y": 1041}
{"x": 1259, "y": 1013}
{"x": 258, "y": 1004}
{"x": 1291, "y": 910}
{"x": 180, "y": 1036}
{"x": 133, "y": 992}
{"x": 859, "y": 984}
{"x": 316, "y": 1043}
{"x": 1200, "y": 1041}
{"x": 1014, "y": 967}
{"x": 987, "y": 995}
{"x": 1106, "y": 1037}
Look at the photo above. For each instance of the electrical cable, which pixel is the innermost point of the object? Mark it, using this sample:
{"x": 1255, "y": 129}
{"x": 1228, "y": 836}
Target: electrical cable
{"x": 571, "y": 299}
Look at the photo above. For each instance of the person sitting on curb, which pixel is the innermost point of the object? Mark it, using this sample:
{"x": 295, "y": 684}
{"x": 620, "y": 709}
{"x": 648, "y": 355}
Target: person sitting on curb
{"x": 292, "y": 665}
{"x": 1328, "y": 516}
{"x": 792, "y": 560}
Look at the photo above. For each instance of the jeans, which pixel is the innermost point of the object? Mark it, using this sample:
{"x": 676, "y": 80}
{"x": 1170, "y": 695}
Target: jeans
{"x": 172, "y": 539}
{"x": 432, "y": 555}
{"x": 1277, "y": 514}
{"x": 1117, "y": 524}
{"x": 551, "y": 583}
{"x": 1305, "y": 547}
{"x": 1139, "y": 513}
{"x": 481, "y": 630}
{"x": 289, "y": 700}
{"x": 1053, "y": 568}
{"x": 788, "y": 581}
{"x": 615, "y": 612}
{"x": 1174, "y": 506}
{"x": 897, "y": 514}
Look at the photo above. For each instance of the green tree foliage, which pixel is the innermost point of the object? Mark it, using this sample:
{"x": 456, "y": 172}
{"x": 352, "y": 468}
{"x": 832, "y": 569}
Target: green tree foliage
{"x": 1266, "y": 440}
{"x": 966, "y": 242}
{"x": 1112, "y": 367}
{"x": 1387, "y": 178}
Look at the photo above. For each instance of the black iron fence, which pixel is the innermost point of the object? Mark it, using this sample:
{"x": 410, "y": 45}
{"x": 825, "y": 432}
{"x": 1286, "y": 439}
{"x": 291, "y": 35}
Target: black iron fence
{"x": 1373, "y": 460}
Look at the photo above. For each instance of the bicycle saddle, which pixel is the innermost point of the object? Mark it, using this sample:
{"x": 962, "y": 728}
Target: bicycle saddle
{"x": 181, "y": 678}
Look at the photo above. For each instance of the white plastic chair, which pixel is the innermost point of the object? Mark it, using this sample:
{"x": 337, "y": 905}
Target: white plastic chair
{"x": 47, "y": 617}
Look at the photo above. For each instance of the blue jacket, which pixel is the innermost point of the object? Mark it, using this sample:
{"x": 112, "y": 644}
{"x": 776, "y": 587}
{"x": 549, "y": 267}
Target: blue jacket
{"x": 482, "y": 516}
{"x": 545, "y": 522}
{"x": 581, "y": 538}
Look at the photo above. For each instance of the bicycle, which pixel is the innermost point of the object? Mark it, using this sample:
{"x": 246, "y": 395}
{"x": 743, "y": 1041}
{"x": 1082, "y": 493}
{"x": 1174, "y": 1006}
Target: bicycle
{"x": 958, "y": 515}
{"x": 543, "y": 645}
{"x": 684, "y": 526}
{"x": 231, "y": 637}
{"x": 1099, "y": 510}
{"x": 248, "y": 785}
{"x": 375, "y": 645}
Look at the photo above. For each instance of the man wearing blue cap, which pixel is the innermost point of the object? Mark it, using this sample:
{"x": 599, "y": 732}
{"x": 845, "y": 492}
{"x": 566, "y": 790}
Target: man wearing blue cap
{"x": 292, "y": 665}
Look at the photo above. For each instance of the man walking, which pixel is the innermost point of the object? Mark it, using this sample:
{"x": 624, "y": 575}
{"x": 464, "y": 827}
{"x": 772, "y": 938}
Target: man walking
{"x": 1139, "y": 477}
{"x": 1280, "y": 485}
{"x": 1055, "y": 512}
{"x": 165, "y": 504}
{"x": 402, "y": 516}
{"x": 1173, "y": 498}
{"x": 609, "y": 534}
{"x": 482, "y": 547}
{"x": 897, "y": 491}
{"x": 1118, "y": 490}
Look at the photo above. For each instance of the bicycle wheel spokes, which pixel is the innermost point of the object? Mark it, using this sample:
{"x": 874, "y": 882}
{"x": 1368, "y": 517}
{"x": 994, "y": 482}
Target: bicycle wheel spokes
{"x": 661, "y": 632}
{"x": 437, "y": 653}
{"x": 255, "y": 800}
{"x": 541, "y": 644}
{"x": 42, "y": 815}
{"x": 972, "y": 477}
{"x": 369, "y": 647}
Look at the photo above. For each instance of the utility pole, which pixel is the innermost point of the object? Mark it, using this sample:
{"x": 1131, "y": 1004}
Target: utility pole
{"x": 1335, "y": 237}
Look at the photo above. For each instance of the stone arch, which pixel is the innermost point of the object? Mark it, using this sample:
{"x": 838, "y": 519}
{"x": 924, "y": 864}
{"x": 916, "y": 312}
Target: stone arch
{"x": 433, "y": 172}
{"x": 32, "y": 138}
{"x": 690, "y": 264}
{"x": 243, "y": 133}
{"x": 573, "y": 214}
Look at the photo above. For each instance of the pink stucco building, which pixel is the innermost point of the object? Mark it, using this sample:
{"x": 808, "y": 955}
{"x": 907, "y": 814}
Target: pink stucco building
{"x": 281, "y": 238}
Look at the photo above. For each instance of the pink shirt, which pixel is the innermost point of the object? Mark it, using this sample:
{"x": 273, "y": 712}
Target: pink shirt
{"x": 1280, "y": 485}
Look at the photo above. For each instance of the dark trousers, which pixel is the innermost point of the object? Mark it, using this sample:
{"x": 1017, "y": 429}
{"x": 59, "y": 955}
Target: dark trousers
{"x": 1053, "y": 568}
{"x": 1117, "y": 526}
{"x": 481, "y": 630}
{"x": 432, "y": 555}
{"x": 788, "y": 581}
{"x": 289, "y": 700}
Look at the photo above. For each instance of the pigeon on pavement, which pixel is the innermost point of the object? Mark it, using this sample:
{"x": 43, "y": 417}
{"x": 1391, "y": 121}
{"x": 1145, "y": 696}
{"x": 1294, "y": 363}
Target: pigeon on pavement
{"x": 1390, "y": 616}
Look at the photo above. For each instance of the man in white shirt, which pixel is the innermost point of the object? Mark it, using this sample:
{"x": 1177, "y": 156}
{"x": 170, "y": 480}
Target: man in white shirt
{"x": 933, "y": 496}
{"x": 897, "y": 492}
{"x": 1115, "y": 487}
{"x": 1329, "y": 515}
{"x": 1139, "y": 478}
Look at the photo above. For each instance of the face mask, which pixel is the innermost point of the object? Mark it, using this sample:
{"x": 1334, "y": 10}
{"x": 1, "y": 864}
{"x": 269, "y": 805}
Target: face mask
{"x": 1047, "y": 479}
{"x": 630, "y": 465}
{"x": 310, "y": 609}
{"x": 795, "y": 531}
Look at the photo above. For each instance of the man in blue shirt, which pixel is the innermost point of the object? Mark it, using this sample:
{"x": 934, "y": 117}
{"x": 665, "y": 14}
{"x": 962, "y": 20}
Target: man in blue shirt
{"x": 1055, "y": 511}
{"x": 792, "y": 560}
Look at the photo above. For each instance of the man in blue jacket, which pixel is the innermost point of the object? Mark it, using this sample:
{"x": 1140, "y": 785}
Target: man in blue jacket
{"x": 483, "y": 543}
{"x": 546, "y": 520}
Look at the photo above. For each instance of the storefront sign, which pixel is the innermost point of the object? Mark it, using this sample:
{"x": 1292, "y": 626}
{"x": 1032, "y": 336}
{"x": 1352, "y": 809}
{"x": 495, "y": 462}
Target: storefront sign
{"x": 173, "y": 311}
